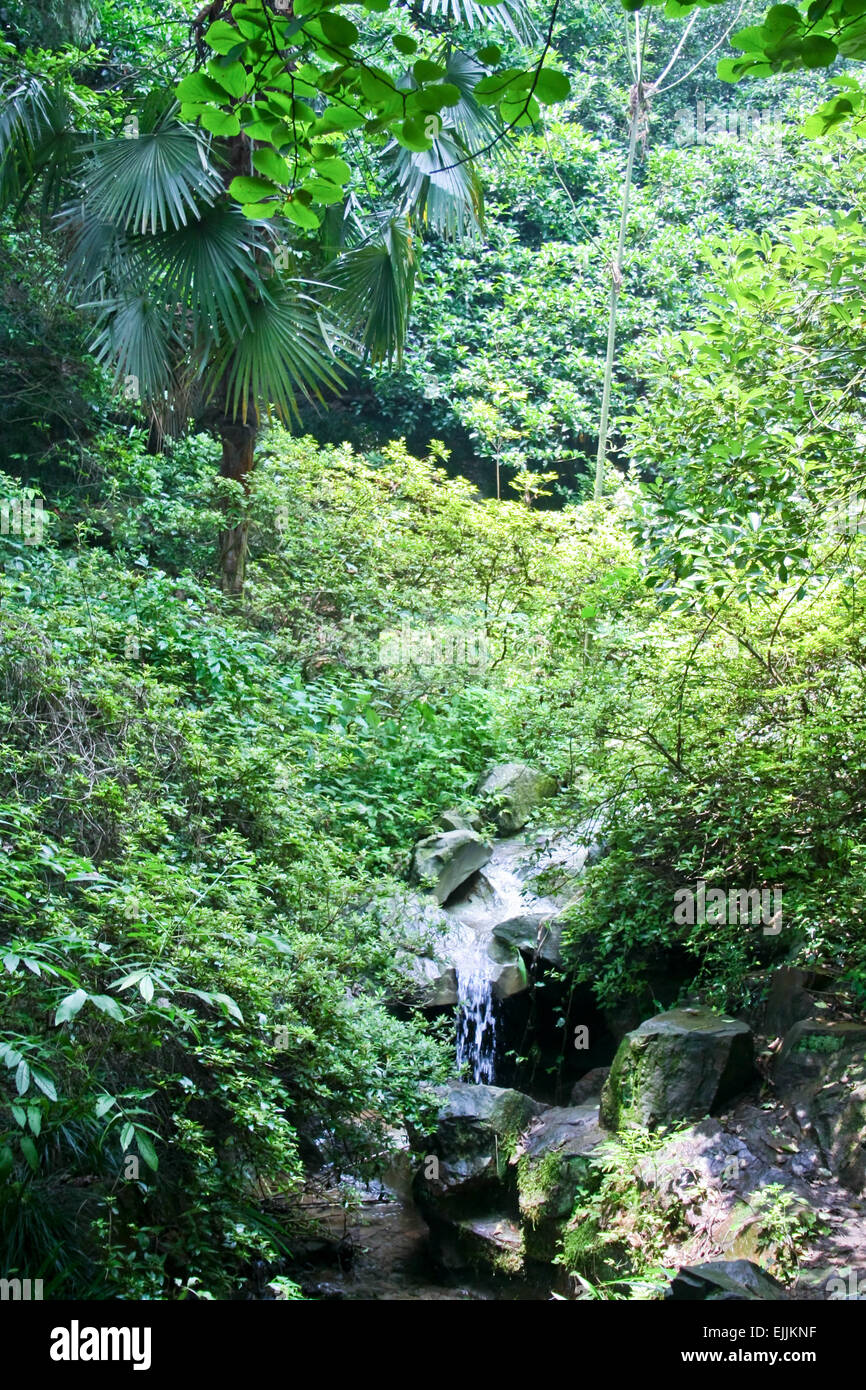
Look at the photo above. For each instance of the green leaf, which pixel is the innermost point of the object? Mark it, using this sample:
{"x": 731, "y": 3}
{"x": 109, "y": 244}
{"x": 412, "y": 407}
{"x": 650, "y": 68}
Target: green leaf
{"x": 146, "y": 1149}
{"x": 45, "y": 1084}
{"x": 338, "y": 30}
{"x": 233, "y": 77}
{"x": 220, "y": 122}
{"x": 300, "y": 214}
{"x": 145, "y": 988}
{"x": 222, "y": 37}
{"x": 405, "y": 45}
{"x": 251, "y": 190}
{"x": 230, "y": 1006}
{"x": 198, "y": 87}
{"x": 323, "y": 192}
{"x": 552, "y": 86}
{"x": 126, "y": 1135}
{"x": 28, "y": 1148}
{"x": 272, "y": 166}
{"x": 22, "y": 1078}
{"x": 334, "y": 170}
{"x": 109, "y": 1006}
{"x": 426, "y": 71}
{"x": 70, "y": 1006}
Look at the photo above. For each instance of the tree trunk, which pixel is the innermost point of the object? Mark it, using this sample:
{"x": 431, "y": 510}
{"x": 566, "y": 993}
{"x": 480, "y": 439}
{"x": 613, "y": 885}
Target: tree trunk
{"x": 238, "y": 458}
{"x": 615, "y": 287}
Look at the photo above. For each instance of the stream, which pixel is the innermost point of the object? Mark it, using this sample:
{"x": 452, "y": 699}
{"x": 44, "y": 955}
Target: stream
{"x": 382, "y": 1241}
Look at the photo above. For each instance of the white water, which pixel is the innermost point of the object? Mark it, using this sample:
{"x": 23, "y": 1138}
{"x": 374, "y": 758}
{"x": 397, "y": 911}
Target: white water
{"x": 498, "y": 893}
{"x": 476, "y": 1018}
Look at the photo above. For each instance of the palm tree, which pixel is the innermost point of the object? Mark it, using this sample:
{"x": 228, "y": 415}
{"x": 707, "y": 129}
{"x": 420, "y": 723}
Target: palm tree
{"x": 194, "y": 309}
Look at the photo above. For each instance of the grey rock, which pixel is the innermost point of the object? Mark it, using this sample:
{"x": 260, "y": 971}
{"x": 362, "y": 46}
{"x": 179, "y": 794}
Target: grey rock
{"x": 446, "y": 861}
{"x": 679, "y": 1065}
{"x": 726, "y": 1281}
{"x": 512, "y": 791}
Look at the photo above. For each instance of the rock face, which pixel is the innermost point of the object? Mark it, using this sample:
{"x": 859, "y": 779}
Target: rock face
{"x": 456, "y": 820}
{"x": 677, "y": 1066}
{"x": 553, "y": 1162}
{"x": 448, "y": 860}
{"x": 507, "y": 972}
{"x": 725, "y": 1281}
{"x": 511, "y": 792}
{"x": 821, "y": 1073}
{"x": 535, "y": 934}
{"x": 432, "y": 981}
{"x": 477, "y": 1129}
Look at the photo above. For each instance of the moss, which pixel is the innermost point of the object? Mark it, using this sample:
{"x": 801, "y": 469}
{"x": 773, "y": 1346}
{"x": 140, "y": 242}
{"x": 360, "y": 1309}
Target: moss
{"x": 538, "y": 1185}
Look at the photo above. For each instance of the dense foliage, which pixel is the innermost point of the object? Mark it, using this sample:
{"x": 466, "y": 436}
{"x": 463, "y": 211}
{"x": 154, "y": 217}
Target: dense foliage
{"x": 203, "y": 790}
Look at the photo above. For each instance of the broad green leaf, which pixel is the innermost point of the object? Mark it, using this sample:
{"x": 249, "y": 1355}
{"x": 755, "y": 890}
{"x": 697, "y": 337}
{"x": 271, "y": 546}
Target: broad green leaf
{"x": 146, "y": 1149}
{"x": 28, "y": 1148}
{"x": 251, "y": 190}
{"x": 45, "y": 1084}
{"x": 70, "y": 1006}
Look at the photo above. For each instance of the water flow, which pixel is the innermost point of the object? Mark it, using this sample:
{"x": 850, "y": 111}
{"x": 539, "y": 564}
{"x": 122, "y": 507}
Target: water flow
{"x": 476, "y": 1019}
{"x": 499, "y": 892}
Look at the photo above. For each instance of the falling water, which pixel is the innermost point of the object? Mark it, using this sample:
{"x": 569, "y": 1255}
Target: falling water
{"x": 498, "y": 892}
{"x": 476, "y": 1020}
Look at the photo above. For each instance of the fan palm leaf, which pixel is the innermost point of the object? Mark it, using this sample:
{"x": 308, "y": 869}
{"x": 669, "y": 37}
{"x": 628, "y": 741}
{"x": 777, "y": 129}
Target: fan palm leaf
{"x": 512, "y": 15}
{"x": 283, "y": 351}
{"x": 153, "y": 183}
{"x": 373, "y": 286}
{"x": 38, "y": 140}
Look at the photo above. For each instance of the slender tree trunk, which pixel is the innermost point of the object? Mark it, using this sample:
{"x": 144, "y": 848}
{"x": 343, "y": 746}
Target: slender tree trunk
{"x": 615, "y": 287}
{"x": 238, "y": 459}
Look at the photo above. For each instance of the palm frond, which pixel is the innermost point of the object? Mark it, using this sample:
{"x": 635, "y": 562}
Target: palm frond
{"x": 284, "y": 351}
{"x": 209, "y": 265}
{"x": 153, "y": 183}
{"x": 136, "y": 339}
{"x": 38, "y": 139}
{"x": 475, "y": 125}
{"x": 373, "y": 286}
{"x": 440, "y": 186}
{"x": 511, "y": 15}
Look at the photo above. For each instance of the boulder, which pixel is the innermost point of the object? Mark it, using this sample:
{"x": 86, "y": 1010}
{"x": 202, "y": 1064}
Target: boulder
{"x": 791, "y": 998}
{"x": 677, "y": 1066}
{"x": 589, "y": 1085}
{"x": 512, "y": 791}
{"x": 492, "y": 1243}
{"x": 553, "y": 1164}
{"x": 726, "y": 1281}
{"x": 536, "y": 934}
{"x": 507, "y": 971}
{"x": 476, "y": 1132}
{"x": 456, "y": 820}
{"x": 446, "y": 861}
{"x": 821, "y": 1073}
{"x": 431, "y": 982}
{"x": 809, "y": 1047}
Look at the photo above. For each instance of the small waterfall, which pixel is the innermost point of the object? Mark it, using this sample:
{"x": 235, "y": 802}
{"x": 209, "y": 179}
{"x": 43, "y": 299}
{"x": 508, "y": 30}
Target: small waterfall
{"x": 498, "y": 892}
{"x": 476, "y": 1020}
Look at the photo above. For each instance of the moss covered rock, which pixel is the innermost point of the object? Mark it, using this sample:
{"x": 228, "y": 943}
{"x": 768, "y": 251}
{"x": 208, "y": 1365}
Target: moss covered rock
{"x": 677, "y": 1066}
